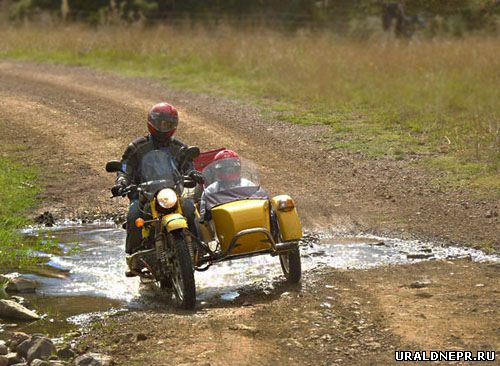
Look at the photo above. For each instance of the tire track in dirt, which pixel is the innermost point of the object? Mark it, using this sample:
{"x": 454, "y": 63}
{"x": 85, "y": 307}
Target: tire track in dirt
{"x": 71, "y": 170}
{"x": 207, "y": 135}
{"x": 133, "y": 103}
{"x": 333, "y": 188}
{"x": 60, "y": 129}
{"x": 119, "y": 113}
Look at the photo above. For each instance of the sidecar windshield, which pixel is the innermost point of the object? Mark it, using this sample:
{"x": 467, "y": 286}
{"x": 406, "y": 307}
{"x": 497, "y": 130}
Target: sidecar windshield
{"x": 231, "y": 172}
{"x": 159, "y": 165}
{"x": 230, "y": 180}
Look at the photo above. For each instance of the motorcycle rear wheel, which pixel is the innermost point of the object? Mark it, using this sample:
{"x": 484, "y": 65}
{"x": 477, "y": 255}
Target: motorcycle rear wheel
{"x": 291, "y": 265}
{"x": 183, "y": 274}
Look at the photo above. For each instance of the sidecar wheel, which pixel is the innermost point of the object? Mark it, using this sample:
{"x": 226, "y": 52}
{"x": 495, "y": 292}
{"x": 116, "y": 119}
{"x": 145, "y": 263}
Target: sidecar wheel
{"x": 165, "y": 285}
{"x": 291, "y": 265}
{"x": 183, "y": 275}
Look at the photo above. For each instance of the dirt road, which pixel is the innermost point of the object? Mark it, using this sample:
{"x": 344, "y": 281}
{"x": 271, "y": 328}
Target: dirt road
{"x": 70, "y": 121}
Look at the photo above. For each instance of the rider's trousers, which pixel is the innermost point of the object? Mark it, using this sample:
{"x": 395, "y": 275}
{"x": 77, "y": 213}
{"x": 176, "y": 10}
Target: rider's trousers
{"x": 134, "y": 234}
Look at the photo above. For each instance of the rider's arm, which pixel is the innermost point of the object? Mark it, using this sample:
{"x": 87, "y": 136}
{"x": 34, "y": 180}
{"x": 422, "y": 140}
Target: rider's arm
{"x": 176, "y": 147}
{"x": 123, "y": 179}
{"x": 129, "y": 162}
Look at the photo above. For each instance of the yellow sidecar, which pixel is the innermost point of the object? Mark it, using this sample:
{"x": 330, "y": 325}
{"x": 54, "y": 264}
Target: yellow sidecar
{"x": 238, "y": 218}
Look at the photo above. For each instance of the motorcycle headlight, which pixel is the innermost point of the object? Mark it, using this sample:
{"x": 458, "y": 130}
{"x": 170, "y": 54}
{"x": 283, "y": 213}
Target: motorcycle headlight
{"x": 166, "y": 198}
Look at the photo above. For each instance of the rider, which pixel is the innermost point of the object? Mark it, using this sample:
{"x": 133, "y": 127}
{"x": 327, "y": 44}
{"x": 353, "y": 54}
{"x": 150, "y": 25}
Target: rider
{"x": 162, "y": 124}
{"x": 227, "y": 171}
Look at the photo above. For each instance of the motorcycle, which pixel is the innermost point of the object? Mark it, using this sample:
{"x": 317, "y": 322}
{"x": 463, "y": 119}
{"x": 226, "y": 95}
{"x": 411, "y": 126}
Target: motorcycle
{"x": 167, "y": 248}
{"x": 235, "y": 222}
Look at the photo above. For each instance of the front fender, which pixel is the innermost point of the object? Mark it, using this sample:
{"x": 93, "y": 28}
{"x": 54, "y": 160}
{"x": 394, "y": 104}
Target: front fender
{"x": 173, "y": 222}
{"x": 288, "y": 220}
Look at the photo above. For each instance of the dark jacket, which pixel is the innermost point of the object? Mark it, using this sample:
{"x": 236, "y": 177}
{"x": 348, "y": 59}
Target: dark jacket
{"x": 141, "y": 146}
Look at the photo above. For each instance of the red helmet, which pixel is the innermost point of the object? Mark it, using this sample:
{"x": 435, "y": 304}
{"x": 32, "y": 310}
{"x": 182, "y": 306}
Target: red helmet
{"x": 227, "y": 166}
{"x": 162, "y": 121}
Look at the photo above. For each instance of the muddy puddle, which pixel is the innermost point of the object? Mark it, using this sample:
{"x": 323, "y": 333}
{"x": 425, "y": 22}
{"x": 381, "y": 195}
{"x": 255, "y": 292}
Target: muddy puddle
{"x": 83, "y": 286}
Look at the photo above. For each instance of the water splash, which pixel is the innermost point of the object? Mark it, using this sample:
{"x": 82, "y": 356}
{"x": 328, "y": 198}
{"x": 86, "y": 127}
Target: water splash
{"x": 98, "y": 270}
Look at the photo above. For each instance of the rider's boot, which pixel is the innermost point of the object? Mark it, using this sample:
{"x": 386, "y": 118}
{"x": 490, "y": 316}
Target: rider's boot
{"x": 131, "y": 271}
{"x": 133, "y": 241}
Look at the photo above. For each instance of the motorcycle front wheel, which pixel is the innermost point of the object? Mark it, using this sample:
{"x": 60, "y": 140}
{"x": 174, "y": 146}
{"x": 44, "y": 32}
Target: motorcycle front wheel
{"x": 182, "y": 274}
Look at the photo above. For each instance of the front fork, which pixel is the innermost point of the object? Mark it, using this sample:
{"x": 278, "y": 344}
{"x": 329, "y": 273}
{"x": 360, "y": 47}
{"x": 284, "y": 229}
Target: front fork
{"x": 171, "y": 224}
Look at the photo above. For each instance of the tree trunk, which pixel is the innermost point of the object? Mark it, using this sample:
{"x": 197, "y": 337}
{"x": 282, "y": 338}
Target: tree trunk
{"x": 64, "y": 10}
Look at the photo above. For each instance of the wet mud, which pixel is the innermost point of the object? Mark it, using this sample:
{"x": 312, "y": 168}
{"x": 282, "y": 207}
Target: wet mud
{"x": 88, "y": 282}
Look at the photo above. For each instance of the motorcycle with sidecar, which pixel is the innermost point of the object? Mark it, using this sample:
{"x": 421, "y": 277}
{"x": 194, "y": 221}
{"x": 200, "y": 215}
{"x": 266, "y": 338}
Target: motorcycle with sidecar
{"x": 234, "y": 221}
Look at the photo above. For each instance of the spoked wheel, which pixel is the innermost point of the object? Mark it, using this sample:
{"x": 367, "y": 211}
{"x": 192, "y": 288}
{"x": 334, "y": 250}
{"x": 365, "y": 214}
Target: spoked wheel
{"x": 165, "y": 285}
{"x": 291, "y": 265}
{"x": 182, "y": 274}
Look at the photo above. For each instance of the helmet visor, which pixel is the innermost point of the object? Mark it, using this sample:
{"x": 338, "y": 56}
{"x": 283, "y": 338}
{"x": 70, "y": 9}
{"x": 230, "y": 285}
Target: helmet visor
{"x": 228, "y": 165}
{"x": 163, "y": 123}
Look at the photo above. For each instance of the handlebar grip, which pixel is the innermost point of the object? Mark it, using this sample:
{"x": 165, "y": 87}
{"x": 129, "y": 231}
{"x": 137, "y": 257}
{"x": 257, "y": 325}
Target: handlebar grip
{"x": 116, "y": 191}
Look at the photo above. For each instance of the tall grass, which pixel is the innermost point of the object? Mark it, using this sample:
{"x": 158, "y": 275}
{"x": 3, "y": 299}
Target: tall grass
{"x": 434, "y": 98}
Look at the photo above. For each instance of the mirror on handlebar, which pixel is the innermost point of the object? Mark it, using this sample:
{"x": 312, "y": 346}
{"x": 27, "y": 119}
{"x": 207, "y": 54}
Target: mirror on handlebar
{"x": 114, "y": 166}
{"x": 192, "y": 152}
{"x": 189, "y": 154}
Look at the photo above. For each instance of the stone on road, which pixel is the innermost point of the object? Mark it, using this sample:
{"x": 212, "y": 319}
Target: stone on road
{"x": 42, "y": 348}
{"x": 19, "y": 284}
{"x": 12, "y": 310}
{"x": 93, "y": 359}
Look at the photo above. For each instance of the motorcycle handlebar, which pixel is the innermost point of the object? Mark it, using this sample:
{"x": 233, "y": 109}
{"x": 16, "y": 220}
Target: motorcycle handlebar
{"x": 189, "y": 182}
{"x": 125, "y": 191}
{"x": 133, "y": 188}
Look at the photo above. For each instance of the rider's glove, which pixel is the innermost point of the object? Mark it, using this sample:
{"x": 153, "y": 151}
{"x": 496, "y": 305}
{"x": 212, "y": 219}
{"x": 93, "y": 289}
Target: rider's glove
{"x": 119, "y": 187}
{"x": 196, "y": 176}
{"x": 117, "y": 190}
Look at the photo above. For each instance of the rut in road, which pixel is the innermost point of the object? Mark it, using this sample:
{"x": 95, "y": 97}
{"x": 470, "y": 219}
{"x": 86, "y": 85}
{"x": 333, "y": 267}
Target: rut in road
{"x": 332, "y": 188}
{"x": 92, "y": 121}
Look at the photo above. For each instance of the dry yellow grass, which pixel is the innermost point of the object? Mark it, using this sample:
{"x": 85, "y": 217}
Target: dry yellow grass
{"x": 437, "y": 98}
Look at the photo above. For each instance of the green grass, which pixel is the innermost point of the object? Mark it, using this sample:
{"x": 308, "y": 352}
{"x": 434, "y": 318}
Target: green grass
{"x": 460, "y": 175}
{"x": 436, "y": 100}
{"x": 17, "y": 195}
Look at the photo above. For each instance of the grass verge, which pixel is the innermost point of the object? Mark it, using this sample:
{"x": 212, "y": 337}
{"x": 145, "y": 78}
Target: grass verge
{"x": 434, "y": 101}
{"x": 17, "y": 195}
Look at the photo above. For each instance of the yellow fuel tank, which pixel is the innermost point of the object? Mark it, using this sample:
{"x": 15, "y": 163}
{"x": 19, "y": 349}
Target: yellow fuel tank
{"x": 233, "y": 217}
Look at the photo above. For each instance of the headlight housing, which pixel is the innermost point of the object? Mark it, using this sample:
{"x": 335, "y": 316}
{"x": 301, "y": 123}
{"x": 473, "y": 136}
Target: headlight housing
{"x": 166, "y": 198}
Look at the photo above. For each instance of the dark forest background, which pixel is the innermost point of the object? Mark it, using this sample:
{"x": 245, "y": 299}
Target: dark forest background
{"x": 402, "y": 17}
